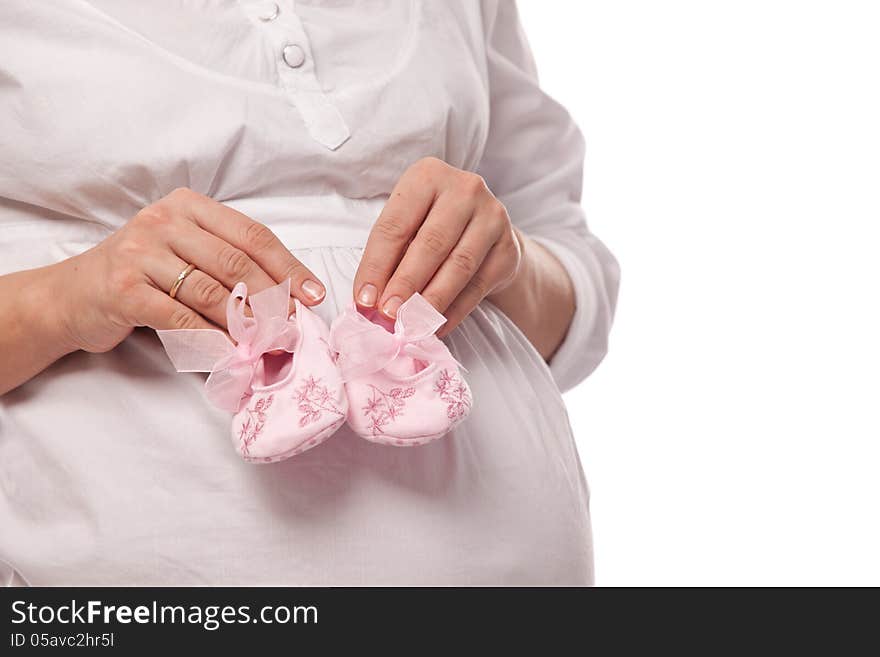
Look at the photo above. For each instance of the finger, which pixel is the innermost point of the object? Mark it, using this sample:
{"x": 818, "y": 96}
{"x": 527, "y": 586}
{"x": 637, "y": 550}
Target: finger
{"x": 490, "y": 274}
{"x": 159, "y": 311}
{"x": 399, "y": 220}
{"x": 222, "y": 261}
{"x": 199, "y": 291}
{"x": 462, "y": 264}
{"x": 447, "y": 221}
{"x": 259, "y": 243}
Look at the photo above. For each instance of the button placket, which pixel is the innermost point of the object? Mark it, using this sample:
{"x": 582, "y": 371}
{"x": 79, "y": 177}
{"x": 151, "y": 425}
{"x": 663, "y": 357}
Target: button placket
{"x": 296, "y": 72}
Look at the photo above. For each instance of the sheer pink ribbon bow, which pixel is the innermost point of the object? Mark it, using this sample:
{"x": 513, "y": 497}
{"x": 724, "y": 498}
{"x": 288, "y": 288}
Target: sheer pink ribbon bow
{"x": 365, "y": 347}
{"x": 232, "y": 366}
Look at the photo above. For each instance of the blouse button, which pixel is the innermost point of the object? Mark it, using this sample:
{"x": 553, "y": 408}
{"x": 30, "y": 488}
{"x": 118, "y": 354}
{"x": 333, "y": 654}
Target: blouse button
{"x": 294, "y": 56}
{"x": 270, "y": 12}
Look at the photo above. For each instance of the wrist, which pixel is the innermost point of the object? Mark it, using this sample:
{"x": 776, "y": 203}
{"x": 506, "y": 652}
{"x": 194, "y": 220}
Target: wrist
{"x": 541, "y": 299}
{"x": 519, "y": 291}
{"x": 44, "y": 311}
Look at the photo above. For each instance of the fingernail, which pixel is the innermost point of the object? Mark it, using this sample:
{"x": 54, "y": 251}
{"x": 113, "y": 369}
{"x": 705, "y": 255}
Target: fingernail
{"x": 391, "y": 306}
{"x": 313, "y": 289}
{"x": 367, "y": 295}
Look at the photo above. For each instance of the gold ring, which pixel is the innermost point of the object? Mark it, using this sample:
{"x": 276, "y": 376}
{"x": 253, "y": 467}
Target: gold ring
{"x": 180, "y": 278}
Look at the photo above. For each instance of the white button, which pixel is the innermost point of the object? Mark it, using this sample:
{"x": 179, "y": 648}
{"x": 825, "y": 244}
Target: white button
{"x": 270, "y": 12}
{"x": 294, "y": 56}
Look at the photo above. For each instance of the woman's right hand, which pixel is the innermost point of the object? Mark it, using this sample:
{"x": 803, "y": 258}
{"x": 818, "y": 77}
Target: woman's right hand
{"x": 124, "y": 281}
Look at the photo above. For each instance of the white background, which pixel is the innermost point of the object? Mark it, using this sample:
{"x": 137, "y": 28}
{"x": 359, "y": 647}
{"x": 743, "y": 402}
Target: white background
{"x": 732, "y": 435}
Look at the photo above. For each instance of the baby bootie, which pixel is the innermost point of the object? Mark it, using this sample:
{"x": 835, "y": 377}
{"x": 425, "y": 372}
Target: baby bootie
{"x": 279, "y": 378}
{"x": 403, "y": 386}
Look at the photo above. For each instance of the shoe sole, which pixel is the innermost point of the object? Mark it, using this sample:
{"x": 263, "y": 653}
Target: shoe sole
{"x": 395, "y": 441}
{"x": 314, "y": 441}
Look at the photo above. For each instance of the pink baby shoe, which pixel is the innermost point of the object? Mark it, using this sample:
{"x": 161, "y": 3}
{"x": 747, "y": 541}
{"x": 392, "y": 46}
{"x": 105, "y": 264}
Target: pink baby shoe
{"x": 284, "y": 403}
{"x": 403, "y": 385}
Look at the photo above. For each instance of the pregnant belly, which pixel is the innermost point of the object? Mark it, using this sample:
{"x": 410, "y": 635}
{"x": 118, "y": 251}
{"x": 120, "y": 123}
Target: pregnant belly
{"x": 114, "y": 470}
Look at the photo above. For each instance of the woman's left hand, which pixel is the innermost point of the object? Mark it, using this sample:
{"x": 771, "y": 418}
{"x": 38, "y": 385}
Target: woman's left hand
{"x": 443, "y": 234}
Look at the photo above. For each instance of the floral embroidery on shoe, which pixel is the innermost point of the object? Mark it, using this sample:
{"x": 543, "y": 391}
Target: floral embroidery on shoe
{"x": 455, "y": 393}
{"x": 253, "y": 426}
{"x": 385, "y": 407}
{"x": 314, "y": 399}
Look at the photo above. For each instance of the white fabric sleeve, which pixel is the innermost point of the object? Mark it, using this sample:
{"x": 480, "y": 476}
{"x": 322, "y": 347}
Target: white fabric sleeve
{"x": 533, "y": 163}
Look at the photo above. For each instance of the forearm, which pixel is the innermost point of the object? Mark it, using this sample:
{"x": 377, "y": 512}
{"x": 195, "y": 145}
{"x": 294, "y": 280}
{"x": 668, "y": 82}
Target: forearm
{"x": 31, "y": 332}
{"x": 540, "y": 300}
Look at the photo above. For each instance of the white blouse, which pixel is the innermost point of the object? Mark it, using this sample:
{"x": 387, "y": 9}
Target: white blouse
{"x": 302, "y": 115}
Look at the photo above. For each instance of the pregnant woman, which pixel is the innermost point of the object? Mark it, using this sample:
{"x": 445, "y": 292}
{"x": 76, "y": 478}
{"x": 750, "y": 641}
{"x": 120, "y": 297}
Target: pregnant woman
{"x": 364, "y": 150}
